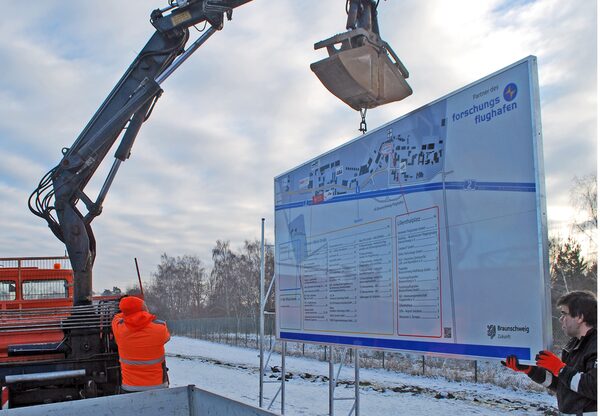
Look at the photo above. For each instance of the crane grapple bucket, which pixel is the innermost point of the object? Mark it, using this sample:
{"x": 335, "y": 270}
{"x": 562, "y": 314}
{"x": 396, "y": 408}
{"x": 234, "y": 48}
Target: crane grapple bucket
{"x": 361, "y": 72}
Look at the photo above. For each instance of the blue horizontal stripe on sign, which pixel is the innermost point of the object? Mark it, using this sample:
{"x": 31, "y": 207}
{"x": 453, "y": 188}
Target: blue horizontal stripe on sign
{"x": 420, "y": 346}
{"x": 437, "y": 186}
{"x": 492, "y": 186}
{"x": 291, "y": 205}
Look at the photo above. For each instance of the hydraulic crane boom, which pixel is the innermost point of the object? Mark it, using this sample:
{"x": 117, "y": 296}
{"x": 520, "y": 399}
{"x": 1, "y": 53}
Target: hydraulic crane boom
{"x": 121, "y": 115}
{"x": 131, "y": 101}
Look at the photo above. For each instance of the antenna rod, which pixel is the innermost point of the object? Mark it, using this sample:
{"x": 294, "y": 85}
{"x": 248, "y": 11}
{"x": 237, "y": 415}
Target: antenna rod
{"x": 139, "y": 277}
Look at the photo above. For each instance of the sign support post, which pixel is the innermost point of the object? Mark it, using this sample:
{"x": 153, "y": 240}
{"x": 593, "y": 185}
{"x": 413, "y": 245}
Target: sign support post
{"x": 261, "y": 312}
{"x": 333, "y": 380}
{"x": 261, "y": 342}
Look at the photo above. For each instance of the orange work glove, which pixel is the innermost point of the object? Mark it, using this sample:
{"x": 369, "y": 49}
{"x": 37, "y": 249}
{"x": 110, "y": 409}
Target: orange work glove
{"x": 549, "y": 361}
{"x": 512, "y": 362}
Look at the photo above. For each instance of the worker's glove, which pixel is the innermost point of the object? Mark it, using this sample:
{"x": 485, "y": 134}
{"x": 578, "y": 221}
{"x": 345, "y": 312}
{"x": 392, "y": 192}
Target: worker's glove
{"x": 549, "y": 361}
{"x": 512, "y": 362}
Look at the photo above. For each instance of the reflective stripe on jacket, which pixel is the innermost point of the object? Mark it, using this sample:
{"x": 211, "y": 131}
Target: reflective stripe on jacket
{"x": 576, "y": 384}
{"x": 141, "y": 354}
{"x": 130, "y": 389}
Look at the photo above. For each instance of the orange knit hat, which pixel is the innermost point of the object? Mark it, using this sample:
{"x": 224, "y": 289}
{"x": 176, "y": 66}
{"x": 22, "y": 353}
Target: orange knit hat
{"x": 130, "y": 305}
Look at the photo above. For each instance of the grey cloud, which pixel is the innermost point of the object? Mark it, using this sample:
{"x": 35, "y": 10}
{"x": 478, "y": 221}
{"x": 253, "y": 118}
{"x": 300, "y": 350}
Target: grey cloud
{"x": 246, "y": 107}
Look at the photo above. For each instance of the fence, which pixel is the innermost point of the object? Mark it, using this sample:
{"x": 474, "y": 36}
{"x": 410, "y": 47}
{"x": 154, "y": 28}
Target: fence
{"x": 244, "y": 332}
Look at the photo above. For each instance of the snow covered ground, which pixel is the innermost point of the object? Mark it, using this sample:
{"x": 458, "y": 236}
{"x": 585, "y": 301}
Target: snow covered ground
{"x": 233, "y": 372}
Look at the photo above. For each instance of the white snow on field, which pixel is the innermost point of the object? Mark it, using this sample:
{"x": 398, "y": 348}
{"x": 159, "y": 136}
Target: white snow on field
{"x": 233, "y": 372}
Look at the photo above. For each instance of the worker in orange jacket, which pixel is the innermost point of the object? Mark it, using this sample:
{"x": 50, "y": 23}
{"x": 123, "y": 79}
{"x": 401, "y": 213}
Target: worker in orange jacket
{"x": 141, "y": 339}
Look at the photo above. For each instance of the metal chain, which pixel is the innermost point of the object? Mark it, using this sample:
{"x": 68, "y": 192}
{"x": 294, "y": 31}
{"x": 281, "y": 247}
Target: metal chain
{"x": 363, "y": 122}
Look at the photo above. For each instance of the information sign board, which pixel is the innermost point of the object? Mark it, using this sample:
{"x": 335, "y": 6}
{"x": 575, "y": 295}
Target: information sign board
{"x": 426, "y": 235}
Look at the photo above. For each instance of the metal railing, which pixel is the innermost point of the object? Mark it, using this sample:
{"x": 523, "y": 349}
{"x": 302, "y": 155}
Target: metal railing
{"x": 37, "y": 262}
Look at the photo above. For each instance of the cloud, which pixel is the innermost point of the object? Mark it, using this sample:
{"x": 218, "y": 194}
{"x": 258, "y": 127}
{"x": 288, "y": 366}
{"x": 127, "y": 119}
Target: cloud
{"x": 246, "y": 108}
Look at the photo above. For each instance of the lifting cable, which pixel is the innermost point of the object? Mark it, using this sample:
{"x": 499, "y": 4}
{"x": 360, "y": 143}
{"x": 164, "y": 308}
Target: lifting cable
{"x": 348, "y": 6}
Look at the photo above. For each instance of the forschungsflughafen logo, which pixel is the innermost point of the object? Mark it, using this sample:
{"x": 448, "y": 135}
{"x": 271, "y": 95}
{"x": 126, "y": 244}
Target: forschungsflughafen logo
{"x": 510, "y": 92}
{"x": 485, "y": 111}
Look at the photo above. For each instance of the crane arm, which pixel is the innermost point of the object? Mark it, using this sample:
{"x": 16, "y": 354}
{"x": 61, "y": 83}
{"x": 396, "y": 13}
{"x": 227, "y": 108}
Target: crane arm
{"x": 61, "y": 192}
{"x": 120, "y": 116}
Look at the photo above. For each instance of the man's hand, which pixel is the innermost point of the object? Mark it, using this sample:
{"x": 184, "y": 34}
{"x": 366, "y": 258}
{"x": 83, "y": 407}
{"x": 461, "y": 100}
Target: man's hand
{"x": 549, "y": 361}
{"x": 512, "y": 362}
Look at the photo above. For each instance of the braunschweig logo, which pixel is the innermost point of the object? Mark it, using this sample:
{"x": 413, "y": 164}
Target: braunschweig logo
{"x": 510, "y": 92}
{"x": 491, "y": 331}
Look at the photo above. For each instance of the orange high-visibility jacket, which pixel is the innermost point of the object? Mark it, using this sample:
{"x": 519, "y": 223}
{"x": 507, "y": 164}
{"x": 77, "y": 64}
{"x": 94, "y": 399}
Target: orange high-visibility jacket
{"x": 141, "y": 354}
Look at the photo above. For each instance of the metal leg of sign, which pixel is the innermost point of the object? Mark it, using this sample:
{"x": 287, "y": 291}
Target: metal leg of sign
{"x": 263, "y": 381}
{"x": 274, "y": 397}
{"x": 356, "y": 382}
{"x": 342, "y": 361}
{"x": 281, "y": 388}
{"x": 261, "y": 314}
{"x": 283, "y": 352}
{"x": 333, "y": 380}
{"x": 356, "y": 405}
{"x": 269, "y": 356}
{"x": 265, "y": 363}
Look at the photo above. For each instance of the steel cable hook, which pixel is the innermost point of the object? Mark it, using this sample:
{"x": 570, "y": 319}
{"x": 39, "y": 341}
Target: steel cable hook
{"x": 363, "y": 122}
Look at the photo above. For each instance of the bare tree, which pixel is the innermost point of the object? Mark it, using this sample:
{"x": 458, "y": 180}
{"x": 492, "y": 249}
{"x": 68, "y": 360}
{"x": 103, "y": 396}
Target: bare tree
{"x": 584, "y": 196}
{"x": 222, "y": 279}
{"x": 179, "y": 287}
{"x": 568, "y": 271}
{"x": 182, "y": 289}
{"x": 235, "y": 279}
{"x": 250, "y": 272}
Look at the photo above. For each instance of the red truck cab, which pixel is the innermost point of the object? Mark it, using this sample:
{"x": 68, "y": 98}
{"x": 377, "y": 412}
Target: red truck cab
{"x": 34, "y": 292}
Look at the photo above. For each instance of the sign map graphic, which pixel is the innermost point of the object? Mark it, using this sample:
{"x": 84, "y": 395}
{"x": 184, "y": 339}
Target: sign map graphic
{"x": 407, "y": 237}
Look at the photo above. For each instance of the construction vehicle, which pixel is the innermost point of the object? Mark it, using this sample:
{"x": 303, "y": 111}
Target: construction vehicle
{"x": 361, "y": 70}
{"x": 37, "y": 325}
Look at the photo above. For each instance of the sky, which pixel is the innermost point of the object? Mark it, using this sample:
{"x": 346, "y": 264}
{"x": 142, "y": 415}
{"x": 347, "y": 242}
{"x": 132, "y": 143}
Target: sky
{"x": 246, "y": 108}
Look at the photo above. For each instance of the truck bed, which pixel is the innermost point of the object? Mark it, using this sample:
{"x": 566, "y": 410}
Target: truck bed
{"x": 178, "y": 401}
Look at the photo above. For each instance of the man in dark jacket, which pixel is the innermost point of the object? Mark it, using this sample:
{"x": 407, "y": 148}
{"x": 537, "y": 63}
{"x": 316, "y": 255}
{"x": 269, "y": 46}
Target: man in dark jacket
{"x": 573, "y": 376}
